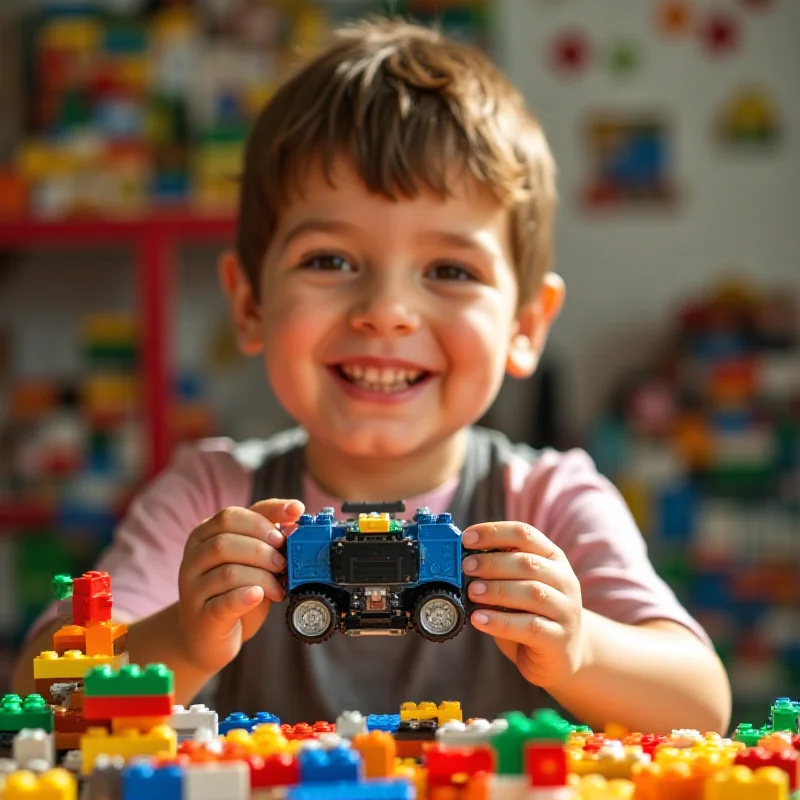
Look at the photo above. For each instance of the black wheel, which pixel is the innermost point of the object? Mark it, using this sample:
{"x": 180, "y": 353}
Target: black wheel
{"x": 311, "y": 617}
{"x": 439, "y": 615}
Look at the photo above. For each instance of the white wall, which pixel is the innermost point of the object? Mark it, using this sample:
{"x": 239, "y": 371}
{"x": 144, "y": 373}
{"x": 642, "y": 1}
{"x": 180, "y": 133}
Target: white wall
{"x": 626, "y": 273}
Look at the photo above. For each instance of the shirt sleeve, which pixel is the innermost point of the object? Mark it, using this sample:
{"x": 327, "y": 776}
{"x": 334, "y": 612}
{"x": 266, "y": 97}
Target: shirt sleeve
{"x": 564, "y": 496}
{"x": 144, "y": 557}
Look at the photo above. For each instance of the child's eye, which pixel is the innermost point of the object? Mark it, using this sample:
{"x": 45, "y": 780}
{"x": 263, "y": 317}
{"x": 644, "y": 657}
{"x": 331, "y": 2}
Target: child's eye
{"x": 327, "y": 262}
{"x": 450, "y": 272}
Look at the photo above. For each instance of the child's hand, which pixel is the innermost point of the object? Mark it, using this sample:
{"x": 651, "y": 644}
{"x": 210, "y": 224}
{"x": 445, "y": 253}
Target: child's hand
{"x": 541, "y": 630}
{"x": 228, "y": 578}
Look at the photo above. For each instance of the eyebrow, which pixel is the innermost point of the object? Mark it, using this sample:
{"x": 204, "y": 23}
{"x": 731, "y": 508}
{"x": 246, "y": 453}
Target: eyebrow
{"x": 316, "y": 225}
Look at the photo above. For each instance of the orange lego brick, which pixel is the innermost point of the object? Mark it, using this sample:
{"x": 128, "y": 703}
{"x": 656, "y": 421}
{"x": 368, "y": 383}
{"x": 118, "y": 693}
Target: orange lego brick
{"x": 106, "y": 638}
{"x": 69, "y": 637}
{"x": 378, "y": 750}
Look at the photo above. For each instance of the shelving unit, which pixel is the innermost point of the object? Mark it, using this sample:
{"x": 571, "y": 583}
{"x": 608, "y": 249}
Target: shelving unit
{"x": 154, "y": 240}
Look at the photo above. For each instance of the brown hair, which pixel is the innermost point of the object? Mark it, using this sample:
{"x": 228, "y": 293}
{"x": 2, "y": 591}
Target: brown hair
{"x": 407, "y": 105}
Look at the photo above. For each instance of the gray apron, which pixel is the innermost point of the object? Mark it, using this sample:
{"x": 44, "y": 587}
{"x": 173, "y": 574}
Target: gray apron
{"x": 275, "y": 672}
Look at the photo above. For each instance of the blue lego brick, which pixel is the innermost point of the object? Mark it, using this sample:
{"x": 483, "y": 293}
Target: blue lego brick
{"x": 383, "y": 722}
{"x": 141, "y": 781}
{"x": 238, "y": 720}
{"x": 308, "y": 551}
{"x": 440, "y": 547}
{"x": 391, "y": 789}
{"x": 341, "y": 764}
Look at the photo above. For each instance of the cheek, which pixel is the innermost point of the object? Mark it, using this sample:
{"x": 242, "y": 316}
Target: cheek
{"x": 477, "y": 340}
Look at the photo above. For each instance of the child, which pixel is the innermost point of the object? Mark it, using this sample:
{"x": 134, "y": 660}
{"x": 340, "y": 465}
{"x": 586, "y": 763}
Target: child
{"x": 392, "y": 265}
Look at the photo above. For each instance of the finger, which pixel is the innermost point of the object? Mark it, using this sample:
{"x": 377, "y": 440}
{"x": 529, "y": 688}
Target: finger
{"x": 237, "y": 520}
{"x": 510, "y": 536}
{"x": 234, "y": 548}
{"x": 515, "y": 565}
{"x": 226, "y": 609}
{"x": 527, "y": 629}
{"x": 227, "y": 577}
{"x": 279, "y": 511}
{"x": 531, "y": 596}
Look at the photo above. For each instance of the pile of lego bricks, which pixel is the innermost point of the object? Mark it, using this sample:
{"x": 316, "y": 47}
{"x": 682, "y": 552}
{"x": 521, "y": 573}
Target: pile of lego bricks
{"x": 515, "y": 757}
{"x": 127, "y": 741}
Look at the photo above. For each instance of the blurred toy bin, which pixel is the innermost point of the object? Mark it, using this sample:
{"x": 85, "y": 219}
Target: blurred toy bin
{"x": 704, "y": 443}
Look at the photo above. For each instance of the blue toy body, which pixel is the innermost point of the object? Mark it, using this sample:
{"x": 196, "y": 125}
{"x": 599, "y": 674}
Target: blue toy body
{"x": 374, "y": 574}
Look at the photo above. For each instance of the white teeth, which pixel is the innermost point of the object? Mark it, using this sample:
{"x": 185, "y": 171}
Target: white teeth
{"x": 381, "y": 380}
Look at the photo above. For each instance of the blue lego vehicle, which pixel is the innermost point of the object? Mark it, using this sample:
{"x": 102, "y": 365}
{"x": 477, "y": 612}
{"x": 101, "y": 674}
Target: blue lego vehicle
{"x": 374, "y": 574}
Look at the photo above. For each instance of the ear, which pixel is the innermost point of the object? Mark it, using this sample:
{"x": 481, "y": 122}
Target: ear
{"x": 244, "y": 305}
{"x": 533, "y": 325}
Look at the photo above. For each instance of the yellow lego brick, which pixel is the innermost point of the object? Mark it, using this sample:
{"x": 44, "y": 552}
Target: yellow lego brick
{"x": 596, "y": 787}
{"x": 97, "y": 741}
{"x": 373, "y": 524}
{"x": 55, "y": 784}
{"x": 72, "y": 665}
{"x": 264, "y": 740}
{"x": 425, "y": 710}
{"x": 447, "y": 710}
{"x": 741, "y": 783}
{"x": 613, "y": 761}
{"x": 416, "y": 775}
{"x": 141, "y": 724}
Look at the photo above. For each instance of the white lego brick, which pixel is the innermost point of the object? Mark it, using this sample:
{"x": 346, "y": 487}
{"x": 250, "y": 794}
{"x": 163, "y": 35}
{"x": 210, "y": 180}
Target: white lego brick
{"x": 684, "y": 737}
{"x": 332, "y": 741}
{"x": 7, "y": 766}
{"x": 350, "y": 724}
{"x": 507, "y": 787}
{"x": 551, "y": 793}
{"x": 32, "y": 744}
{"x": 72, "y": 761}
{"x": 194, "y": 718}
{"x": 217, "y": 781}
{"x": 478, "y": 731}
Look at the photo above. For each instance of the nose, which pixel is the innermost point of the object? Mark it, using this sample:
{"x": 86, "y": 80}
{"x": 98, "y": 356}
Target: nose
{"x": 384, "y": 312}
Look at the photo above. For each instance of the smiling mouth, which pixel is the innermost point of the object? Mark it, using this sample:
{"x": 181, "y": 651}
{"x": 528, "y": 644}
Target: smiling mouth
{"x": 384, "y": 379}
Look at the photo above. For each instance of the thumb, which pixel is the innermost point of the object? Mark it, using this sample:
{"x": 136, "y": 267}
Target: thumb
{"x": 279, "y": 511}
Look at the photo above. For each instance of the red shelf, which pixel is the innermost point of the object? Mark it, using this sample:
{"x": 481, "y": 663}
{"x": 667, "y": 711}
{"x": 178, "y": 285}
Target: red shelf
{"x": 25, "y": 515}
{"x": 88, "y": 231}
{"x": 154, "y": 239}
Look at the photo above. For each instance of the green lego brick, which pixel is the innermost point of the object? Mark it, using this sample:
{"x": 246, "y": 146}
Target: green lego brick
{"x": 32, "y": 712}
{"x": 131, "y": 680}
{"x": 62, "y": 587}
{"x": 750, "y": 735}
{"x": 580, "y": 729}
{"x": 785, "y": 715}
{"x": 509, "y": 743}
{"x": 547, "y": 725}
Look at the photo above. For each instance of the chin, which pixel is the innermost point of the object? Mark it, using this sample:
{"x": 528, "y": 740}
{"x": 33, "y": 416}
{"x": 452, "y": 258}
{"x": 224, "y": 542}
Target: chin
{"x": 384, "y": 439}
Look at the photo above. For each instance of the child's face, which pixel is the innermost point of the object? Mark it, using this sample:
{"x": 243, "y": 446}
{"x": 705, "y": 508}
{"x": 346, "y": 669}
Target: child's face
{"x": 387, "y": 326}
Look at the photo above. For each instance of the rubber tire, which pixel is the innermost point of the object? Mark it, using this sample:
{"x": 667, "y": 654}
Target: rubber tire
{"x": 302, "y": 597}
{"x": 444, "y": 594}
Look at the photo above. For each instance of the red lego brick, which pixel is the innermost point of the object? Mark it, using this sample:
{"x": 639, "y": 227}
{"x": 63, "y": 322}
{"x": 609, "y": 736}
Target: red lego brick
{"x": 594, "y": 743}
{"x": 96, "y": 608}
{"x": 545, "y": 764}
{"x": 91, "y": 583}
{"x": 305, "y": 731}
{"x": 139, "y": 706}
{"x": 647, "y": 741}
{"x": 278, "y": 769}
{"x": 787, "y": 760}
{"x": 443, "y": 764}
